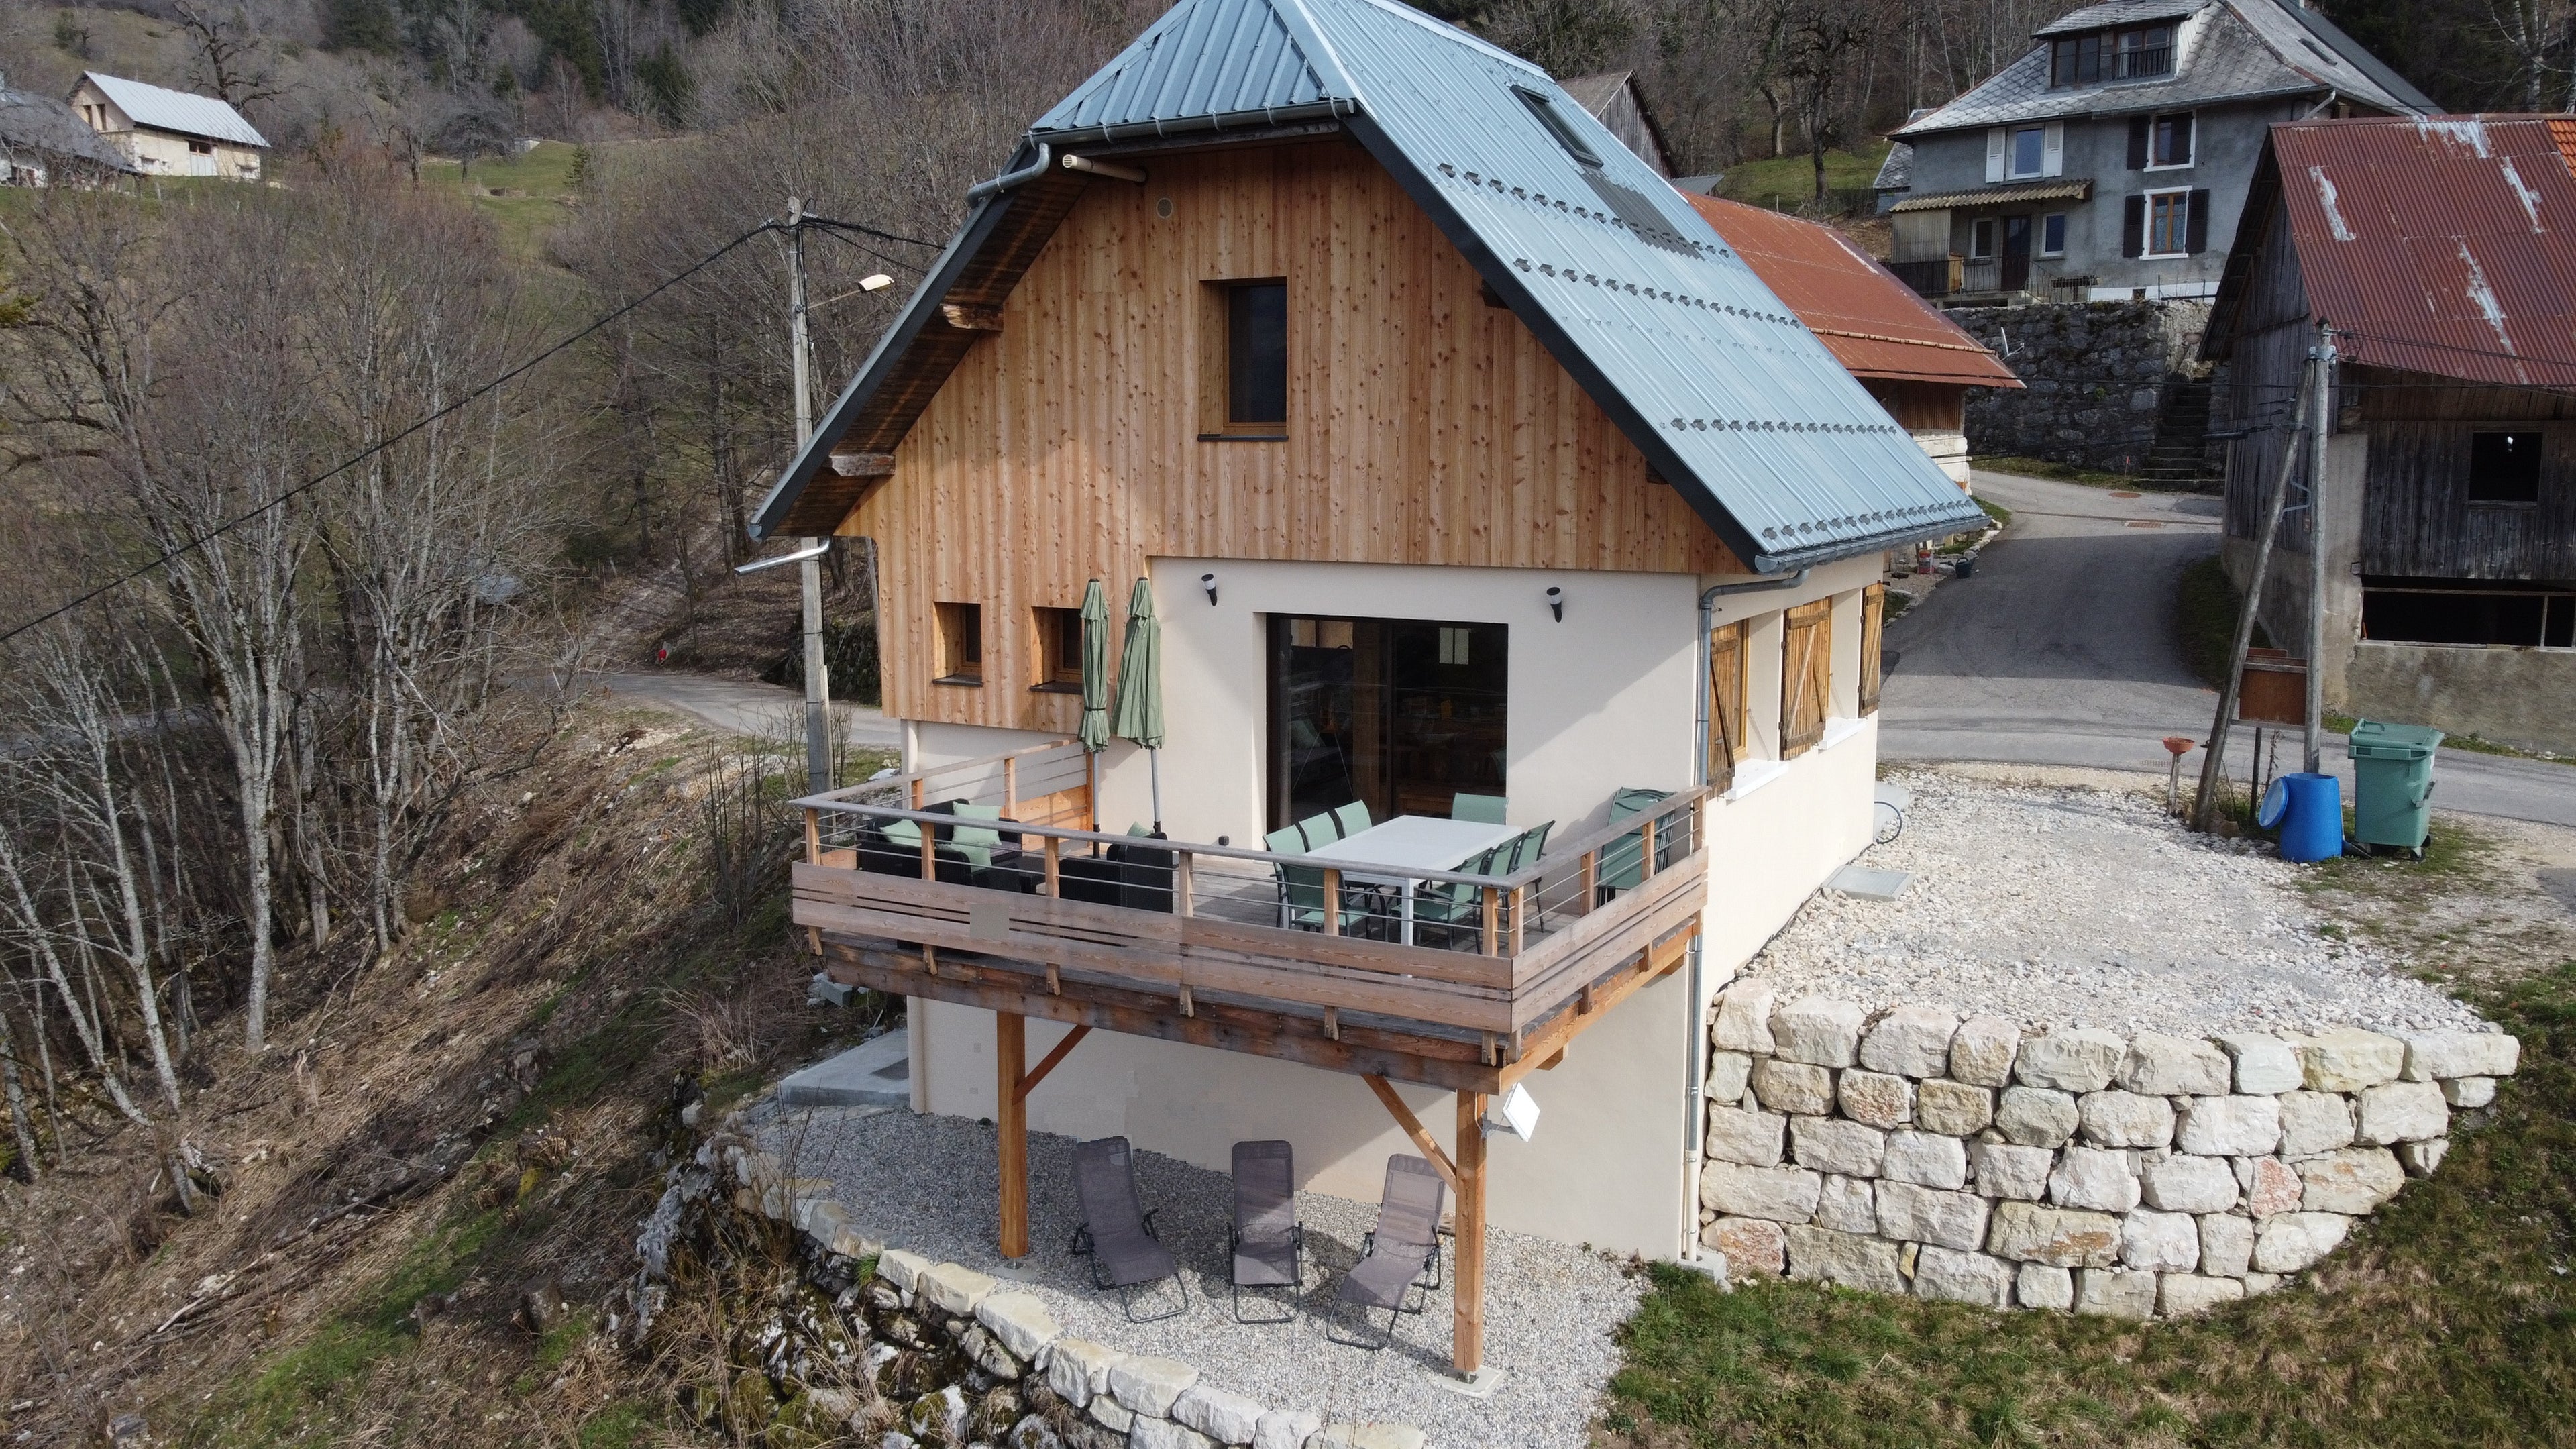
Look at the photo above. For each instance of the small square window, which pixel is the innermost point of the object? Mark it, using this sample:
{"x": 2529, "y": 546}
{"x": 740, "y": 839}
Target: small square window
{"x": 2052, "y": 234}
{"x": 1059, "y": 650}
{"x": 2029, "y": 150}
{"x": 1981, "y": 238}
{"x": 2168, "y": 223}
{"x": 2504, "y": 467}
{"x": 2169, "y": 141}
{"x": 960, "y": 643}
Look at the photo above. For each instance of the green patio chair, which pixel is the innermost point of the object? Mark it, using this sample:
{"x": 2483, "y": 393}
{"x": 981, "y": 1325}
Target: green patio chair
{"x": 1301, "y": 888}
{"x": 1447, "y": 913}
{"x": 1621, "y": 858}
{"x": 1484, "y": 809}
{"x": 1353, "y": 818}
{"x": 1319, "y": 830}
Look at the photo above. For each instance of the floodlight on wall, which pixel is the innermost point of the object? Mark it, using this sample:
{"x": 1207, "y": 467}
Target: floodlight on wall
{"x": 1520, "y": 1114}
{"x": 1556, "y": 602}
{"x": 1208, "y": 582}
{"x": 876, "y": 282}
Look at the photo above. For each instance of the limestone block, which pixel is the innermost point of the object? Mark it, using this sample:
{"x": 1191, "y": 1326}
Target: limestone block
{"x": 2044, "y": 1285}
{"x": 1285, "y": 1429}
{"x": 1782, "y": 1194}
{"x": 1963, "y": 1277}
{"x": 2230, "y": 1126}
{"x": 1078, "y": 1369}
{"x": 1751, "y": 1138}
{"x": 2441, "y": 1054}
{"x": 1926, "y": 1159}
{"x": 2187, "y": 1184}
{"x": 2170, "y": 1066}
{"x": 2037, "y": 1117}
{"x": 1729, "y": 1073}
{"x": 2081, "y": 1060}
{"x": 1112, "y": 1415}
{"x": 2265, "y": 1064}
{"x": 1020, "y": 1321}
{"x": 2276, "y": 1188}
{"x": 2029, "y": 1233}
{"x": 2125, "y": 1119}
{"x": 2314, "y": 1122}
{"x": 1828, "y": 1144}
{"x": 1952, "y": 1108}
{"x": 1911, "y": 1214}
{"x": 1752, "y": 1247}
{"x": 1793, "y": 1087}
{"x": 1847, "y": 1205}
{"x": 2349, "y": 1059}
{"x": 2420, "y": 1158}
{"x": 1226, "y": 1418}
{"x": 2469, "y": 1091}
{"x": 1151, "y": 1385}
{"x": 2115, "y": 1293}
{"x": 2011, "y": 1172}
{"x": 1910, "y": 1041}
{"x": 2089, "y": 1177}
{"x": 1982, "y": 1051}
{"x": 900, "y": 1268}
{"x": 2288, "y": 1242}
{"x": 1823, "y": 1255}
{"x": 2400, "y": 1112}
{"x": 954, "y": 1288}
{"x": 821, "y": 1219}
{"x": 987, "y": 1353}
{"x": 1367, "y": 1436}
{"x": 1744, "y": 1019}
{"x": 1817, "y": 1031}
{"x": 1151, "y": 1433}
{"x": 2226, "y": 1245}
{"x": 2184, "y": 1294}
{"x": 2263, "y": 1282}
{"x": 2355, "y": 1180}
{"x": 2162, "y": 1242}
{"x": 1875, "y": 1098}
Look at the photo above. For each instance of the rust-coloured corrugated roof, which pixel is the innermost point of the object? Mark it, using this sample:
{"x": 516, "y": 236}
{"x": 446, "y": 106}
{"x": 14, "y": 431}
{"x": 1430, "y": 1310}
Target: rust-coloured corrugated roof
{"x": 2443, "y": 246}
{"x": 1874, "y": 325}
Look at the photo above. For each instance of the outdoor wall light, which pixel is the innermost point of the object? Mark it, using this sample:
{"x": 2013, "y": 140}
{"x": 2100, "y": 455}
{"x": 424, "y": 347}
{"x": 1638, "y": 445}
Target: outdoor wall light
{"x": 1556, "y": 602}
{"x": 1208, "y": 582}
{"x": 877, "y": 282}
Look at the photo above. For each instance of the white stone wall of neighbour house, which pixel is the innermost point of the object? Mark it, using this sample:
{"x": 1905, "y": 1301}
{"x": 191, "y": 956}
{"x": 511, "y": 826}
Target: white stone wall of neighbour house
{"x": 1605, "y": 699}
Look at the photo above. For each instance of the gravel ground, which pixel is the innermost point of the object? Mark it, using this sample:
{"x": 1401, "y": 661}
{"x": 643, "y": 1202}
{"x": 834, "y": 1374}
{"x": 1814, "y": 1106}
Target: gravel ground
{"x": 929, "y": 1184}
{"x": 2085, "y": 907}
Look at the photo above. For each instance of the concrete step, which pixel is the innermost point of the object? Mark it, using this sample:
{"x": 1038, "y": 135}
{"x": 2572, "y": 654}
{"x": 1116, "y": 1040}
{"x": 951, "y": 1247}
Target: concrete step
{"x": 876, "y": 1073}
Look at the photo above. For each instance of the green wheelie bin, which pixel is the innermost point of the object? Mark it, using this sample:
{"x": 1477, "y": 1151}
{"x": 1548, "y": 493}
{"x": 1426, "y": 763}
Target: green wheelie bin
{"x": 2392, "y": 767}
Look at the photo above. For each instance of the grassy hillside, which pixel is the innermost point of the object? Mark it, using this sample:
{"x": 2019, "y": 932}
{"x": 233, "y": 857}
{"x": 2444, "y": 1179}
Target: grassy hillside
{"x": 525, "y": 195}
{"x": 1788, "y": 182}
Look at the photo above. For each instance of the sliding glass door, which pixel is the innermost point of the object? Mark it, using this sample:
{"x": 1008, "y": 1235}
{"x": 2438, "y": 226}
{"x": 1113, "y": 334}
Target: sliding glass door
{"x": 1398, "y": 714}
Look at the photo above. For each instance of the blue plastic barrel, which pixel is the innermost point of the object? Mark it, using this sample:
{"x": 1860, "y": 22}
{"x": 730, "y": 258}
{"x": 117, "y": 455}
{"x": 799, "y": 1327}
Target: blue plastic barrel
{"x": 2309, "y": 811}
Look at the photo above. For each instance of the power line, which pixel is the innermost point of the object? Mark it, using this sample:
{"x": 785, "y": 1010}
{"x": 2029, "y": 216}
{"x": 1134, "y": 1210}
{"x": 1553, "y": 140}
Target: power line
{"x": 829, "y": 224}
{"x": 872, "y": 251}
{"x": 353, "y": 460}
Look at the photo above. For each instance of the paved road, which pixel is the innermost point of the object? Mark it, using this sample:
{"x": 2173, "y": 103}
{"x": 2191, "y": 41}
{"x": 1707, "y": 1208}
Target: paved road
{"x": 2060, "y": 650}
{"x": 743, "y": 706}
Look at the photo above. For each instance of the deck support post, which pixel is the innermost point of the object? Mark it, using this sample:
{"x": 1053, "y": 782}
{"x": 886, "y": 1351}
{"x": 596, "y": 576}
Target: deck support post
{"x": 1467, "y": 1326}
{"x": 1011, "y": 1114}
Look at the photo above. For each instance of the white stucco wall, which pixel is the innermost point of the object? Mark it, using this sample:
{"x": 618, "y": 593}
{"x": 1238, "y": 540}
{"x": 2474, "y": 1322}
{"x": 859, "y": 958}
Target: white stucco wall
{"x": 1603, "y": 700}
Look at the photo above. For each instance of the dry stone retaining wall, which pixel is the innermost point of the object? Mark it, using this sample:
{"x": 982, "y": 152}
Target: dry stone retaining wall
{"x": 1913, "y": 1152}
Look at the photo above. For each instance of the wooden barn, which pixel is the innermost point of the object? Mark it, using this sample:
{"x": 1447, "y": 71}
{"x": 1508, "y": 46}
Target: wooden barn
{"x": 2434, "y": 253}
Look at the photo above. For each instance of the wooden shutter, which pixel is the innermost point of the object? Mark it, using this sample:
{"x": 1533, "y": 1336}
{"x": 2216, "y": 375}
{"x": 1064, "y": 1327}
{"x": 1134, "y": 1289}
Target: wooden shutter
{"x": 2133, "y": 228}
{"x": 2138, "y": 129}
{"x": 2196, "y": 225}
{"x": 1806, "y": 676}
{"x": 1996, "y": 140}
{"x": 1873, "y": 613}
{"x": 2053, "y": 150}
{"x": 1727, "y": 715}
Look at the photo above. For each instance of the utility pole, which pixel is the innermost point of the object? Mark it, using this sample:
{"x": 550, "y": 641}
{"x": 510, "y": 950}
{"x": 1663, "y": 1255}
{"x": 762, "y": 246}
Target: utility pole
{"x": 809, "y": 574}
{"x": 2320, "y": 428}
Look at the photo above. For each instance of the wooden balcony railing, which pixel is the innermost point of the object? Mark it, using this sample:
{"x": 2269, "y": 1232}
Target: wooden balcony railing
{"x": 1451, "y": 967}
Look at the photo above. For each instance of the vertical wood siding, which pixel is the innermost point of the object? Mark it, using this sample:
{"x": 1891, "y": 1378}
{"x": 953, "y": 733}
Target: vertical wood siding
{"x": 1424, "y": 427}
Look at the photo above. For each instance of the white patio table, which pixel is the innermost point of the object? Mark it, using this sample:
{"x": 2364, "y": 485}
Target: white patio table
{"x": 1424, "y": 842}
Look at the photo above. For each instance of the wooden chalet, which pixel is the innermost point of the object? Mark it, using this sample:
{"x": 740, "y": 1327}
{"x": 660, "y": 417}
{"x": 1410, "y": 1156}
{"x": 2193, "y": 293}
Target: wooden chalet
{"x": 1485, "y": 497}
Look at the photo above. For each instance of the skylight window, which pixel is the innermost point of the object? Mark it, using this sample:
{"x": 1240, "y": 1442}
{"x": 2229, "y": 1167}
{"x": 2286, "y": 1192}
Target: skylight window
{"x": 1543, "y": 106}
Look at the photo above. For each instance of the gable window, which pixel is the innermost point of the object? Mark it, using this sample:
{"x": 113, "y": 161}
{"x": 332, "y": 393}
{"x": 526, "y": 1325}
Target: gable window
{"x": 1059, "y": 650}
{"x": 2138, "y": 53}
{"x": 960, "y": 644}
{"x": 2166, "y": 224}
{"x": 2052, "y": 234}
{"x": 2504, "y": 467}
{"x": 2143, "y": 52}
{"x": 1981, "y": 238}
{"x": 1243, "y": 360}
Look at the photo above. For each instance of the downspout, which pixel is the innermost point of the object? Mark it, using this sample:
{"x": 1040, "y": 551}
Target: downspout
{"x": 1694, "y": 1110}
{"x": 1012, "y": 180}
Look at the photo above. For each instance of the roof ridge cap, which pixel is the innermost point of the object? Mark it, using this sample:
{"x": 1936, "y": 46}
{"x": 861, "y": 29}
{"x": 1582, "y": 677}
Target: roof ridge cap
{"x": 1316, "y": 48}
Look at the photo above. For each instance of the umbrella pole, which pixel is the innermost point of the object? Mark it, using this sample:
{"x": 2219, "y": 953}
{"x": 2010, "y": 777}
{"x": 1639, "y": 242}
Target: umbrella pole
{"x": 1154, "y": 769}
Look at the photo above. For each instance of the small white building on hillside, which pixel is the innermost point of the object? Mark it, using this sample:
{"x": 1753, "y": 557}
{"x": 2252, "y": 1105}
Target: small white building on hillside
{"x": 170, "y": 133}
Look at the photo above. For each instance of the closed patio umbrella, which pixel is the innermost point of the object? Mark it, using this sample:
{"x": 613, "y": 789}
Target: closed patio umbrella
{"x": 1139, "y": 715}
{"x": 1094, "y": 733}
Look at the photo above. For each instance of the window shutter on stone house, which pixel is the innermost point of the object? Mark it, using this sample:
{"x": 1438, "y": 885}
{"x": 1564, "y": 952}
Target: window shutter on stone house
{"x": 1997, "y": 139}
{"x": 2133, "y": 227}
{"x": 2138, "y": 128}
{"x": 2196, "y": 226}
{"x": 2053, "y": 150}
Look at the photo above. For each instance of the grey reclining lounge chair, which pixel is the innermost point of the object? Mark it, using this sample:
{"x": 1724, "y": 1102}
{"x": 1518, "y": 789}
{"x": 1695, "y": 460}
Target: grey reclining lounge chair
{"x": 1403, "y": 1254}
{"x": 1117, "y": 1233}
{"x": 1265, "y": 1243}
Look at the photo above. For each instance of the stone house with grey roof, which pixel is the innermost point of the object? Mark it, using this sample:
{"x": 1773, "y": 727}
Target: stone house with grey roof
{"x": 2110, "y": 162}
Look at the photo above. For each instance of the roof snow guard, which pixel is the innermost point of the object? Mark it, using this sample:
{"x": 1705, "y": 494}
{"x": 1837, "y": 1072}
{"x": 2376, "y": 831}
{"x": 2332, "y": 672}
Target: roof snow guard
{"x": 1731, "y": 399}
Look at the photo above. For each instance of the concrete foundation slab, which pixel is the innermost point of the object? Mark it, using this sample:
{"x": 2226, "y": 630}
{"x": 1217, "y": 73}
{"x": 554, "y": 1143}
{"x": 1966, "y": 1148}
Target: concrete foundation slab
{"x": 876, "y": 1073}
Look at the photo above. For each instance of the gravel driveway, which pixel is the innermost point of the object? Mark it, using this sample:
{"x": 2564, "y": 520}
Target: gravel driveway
{"x": 2082, "y": 907}
{"x": 929, "y": 1184}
